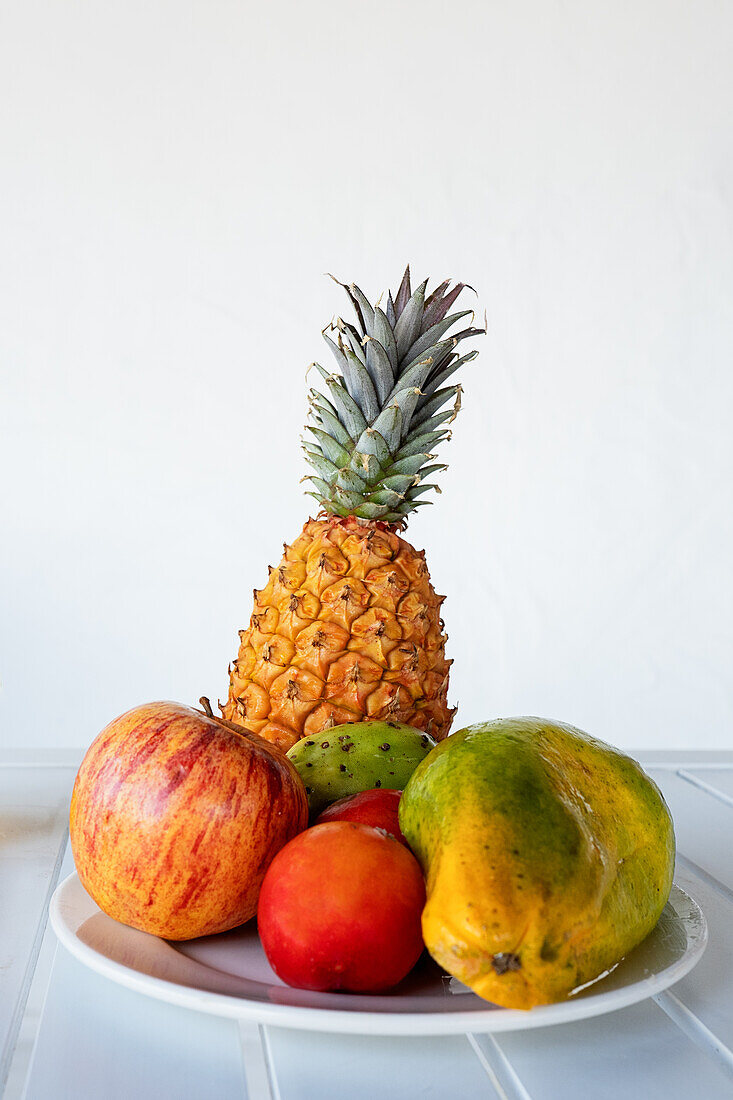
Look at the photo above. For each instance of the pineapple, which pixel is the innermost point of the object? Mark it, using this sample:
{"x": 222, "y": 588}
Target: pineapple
{"x": 348, "y": 625}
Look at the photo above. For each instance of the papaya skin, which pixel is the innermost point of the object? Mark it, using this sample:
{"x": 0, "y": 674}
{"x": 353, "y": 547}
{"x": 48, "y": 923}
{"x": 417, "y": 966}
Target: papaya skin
{"x": 548, "y": 856}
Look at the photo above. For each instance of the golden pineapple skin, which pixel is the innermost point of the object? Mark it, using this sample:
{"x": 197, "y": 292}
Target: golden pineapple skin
{"x": 347, "y": 627}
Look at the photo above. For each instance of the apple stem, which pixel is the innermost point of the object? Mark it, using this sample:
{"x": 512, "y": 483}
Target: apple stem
{"x": 207, "y": 706}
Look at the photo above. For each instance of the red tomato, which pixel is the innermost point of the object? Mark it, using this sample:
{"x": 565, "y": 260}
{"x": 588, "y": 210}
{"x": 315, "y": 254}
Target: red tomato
{"x": 340, "y": 908}
{"x": 377, "y": 807}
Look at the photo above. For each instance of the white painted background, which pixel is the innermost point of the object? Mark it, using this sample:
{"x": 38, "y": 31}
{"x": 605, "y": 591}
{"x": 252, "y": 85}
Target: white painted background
{"x": 175, "y": 179}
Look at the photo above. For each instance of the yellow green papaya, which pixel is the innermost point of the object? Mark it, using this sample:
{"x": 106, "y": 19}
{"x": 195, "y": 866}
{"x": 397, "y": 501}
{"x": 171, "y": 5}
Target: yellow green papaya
{"x": 548, "y": 856}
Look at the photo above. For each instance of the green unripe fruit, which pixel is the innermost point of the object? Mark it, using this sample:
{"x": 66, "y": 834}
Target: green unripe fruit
{"x": 357, "y": 757}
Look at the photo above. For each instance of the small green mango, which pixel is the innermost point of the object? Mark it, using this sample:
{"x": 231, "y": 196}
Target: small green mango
{"x": 548, "y": 856}
{"x": 356, "y": 757}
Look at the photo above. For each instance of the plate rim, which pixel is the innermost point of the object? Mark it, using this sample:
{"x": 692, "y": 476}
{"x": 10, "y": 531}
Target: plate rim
{"x": 358, "y": 1022}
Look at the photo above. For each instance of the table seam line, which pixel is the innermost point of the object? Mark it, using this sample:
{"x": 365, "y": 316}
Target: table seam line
{"x": 706, "y": 788}
{"x": 253, "y": 1033}
{"x": 32, "y": 1058}
{"x": 511, "y": 1089}
{"x": 696, "y": 1031}
{"x": 269, "y": 1062}
{"x": 30, "y": 969}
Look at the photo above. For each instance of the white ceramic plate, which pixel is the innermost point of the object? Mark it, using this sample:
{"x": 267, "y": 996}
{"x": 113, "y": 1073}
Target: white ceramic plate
{"x": 228, "y": 975}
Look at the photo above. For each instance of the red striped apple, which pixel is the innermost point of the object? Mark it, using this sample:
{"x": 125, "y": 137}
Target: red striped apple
{"x": 176, "y": 816}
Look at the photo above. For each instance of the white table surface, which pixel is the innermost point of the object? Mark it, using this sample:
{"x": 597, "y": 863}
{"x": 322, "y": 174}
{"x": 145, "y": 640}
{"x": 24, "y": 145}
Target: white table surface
{"x": 66, "y": 1032}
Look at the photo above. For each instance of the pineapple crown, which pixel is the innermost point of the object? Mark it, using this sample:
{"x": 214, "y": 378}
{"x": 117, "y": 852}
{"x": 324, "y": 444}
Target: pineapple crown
{"x": 374, "y": 435}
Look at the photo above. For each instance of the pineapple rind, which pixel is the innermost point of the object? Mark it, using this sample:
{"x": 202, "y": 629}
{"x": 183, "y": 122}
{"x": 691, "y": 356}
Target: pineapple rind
{"x": 347, "y": 627}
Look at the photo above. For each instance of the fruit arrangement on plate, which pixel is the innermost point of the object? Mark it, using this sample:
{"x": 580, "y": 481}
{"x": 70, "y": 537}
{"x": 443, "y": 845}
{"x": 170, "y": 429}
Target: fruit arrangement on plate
{"x": 330, "y": 799}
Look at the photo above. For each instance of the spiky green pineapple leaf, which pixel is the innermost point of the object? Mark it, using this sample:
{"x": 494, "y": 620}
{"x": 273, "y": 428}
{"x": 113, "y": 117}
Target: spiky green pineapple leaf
{"x": 403, "y": 296}
{"x": 375, "y": 430}
{"x": 407, "y": 328}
